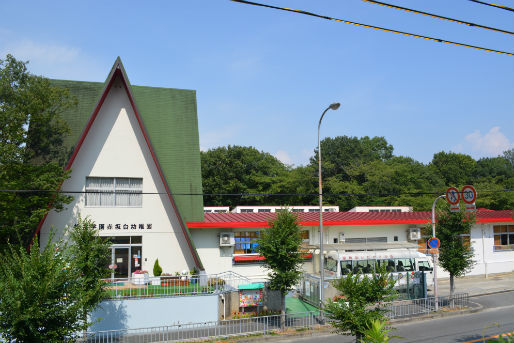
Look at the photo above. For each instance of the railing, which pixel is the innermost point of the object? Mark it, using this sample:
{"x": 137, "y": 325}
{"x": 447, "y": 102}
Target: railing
{"x": 415, "y": 307}
{"x": 264, "y": 325}
{"x": 207, "y": 330}
{"x": 165, "y": 286}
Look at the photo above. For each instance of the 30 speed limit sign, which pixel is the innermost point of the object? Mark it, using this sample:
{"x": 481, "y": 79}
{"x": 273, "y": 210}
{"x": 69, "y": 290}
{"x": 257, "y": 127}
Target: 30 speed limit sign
{"x": 469, "y": 195}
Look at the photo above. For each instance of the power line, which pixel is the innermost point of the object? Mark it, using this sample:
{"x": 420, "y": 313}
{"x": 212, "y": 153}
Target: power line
{"x": 374, "y": 27}
{"x": 494, "y": 5}
{"x": 29, "y": 191}
{"x": 440, "y": 17}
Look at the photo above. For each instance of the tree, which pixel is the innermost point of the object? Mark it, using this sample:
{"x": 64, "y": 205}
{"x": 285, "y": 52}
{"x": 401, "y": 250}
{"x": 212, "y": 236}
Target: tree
{"x": 341, "y": 153}
{"x": 455, "y": 255}
{"x": 280, "y": 245}
{"x": 40, "y": 300}
{"x": 157, "y": 270}
{"x": 31, "y": 149}
{"x": 237, "y": 169}
{"x": 359, "y": 303}
{"x": 90, "y": 256}
{"x": 454, "y": 168}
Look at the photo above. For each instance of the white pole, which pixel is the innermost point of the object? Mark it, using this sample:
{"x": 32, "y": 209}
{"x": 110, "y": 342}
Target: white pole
{"x": 435, "y": 256}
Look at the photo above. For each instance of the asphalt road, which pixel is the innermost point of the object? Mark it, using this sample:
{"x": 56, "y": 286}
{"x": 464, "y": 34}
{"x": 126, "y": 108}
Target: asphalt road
{"x": 496, "y": 317}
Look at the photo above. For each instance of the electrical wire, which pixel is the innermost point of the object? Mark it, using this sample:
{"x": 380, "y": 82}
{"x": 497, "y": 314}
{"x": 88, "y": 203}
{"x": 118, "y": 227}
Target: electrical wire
{"x": 440, "y": 17}
{"x": 29, "y": 191}
{"x": 374, "y": 27}
{"x": 494, "y": 5}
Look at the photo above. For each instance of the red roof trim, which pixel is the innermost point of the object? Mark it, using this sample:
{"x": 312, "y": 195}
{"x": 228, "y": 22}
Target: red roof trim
{"x": 251, "y": 258}
{"x": 219, "y": 225}
{"x": 159, "y": 170}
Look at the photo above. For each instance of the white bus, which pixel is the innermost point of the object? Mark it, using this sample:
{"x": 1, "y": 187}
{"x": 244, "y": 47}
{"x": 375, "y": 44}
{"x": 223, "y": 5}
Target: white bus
{"x": 400, "y": 262}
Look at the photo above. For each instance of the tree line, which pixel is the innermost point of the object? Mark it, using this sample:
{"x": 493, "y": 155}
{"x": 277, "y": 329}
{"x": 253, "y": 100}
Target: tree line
{"x": 357, "y": 171}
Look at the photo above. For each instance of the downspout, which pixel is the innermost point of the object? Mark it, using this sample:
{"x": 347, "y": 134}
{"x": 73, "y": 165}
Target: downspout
{"x": 483, "y": 251}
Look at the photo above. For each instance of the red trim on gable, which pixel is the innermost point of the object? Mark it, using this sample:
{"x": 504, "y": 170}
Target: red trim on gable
{"x": 161, "y": 175}
{"x": 79, "y": 143}
{"x": 116, "y": 73}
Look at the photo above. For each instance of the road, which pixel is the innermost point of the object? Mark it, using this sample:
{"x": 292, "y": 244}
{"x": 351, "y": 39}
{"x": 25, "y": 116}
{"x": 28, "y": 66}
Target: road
{"x": 498, "y": 311}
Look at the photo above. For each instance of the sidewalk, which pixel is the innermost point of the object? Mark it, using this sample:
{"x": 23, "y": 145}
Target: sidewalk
{"x": 477, "y": 285}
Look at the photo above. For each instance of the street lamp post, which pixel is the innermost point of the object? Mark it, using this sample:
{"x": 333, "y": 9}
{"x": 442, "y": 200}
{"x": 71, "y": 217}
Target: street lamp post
{"x": 334, "y": 107}
{"x": 435, "y": 256}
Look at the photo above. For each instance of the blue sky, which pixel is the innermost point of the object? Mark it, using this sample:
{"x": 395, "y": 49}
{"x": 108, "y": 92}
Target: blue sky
{"x": 264, "y": 76}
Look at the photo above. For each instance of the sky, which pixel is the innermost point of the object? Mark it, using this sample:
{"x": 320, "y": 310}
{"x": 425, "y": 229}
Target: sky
{"x": 263, "y": 77}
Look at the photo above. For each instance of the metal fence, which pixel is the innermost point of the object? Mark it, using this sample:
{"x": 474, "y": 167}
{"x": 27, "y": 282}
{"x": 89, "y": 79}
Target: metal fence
{"x": 207, "y": 330}
{"x": 262, "y": 325}
{"x": 165, "y": 286}
{"x": 415, "y": 307}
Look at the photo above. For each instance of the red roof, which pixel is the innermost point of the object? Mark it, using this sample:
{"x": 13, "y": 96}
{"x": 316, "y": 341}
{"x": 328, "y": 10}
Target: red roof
{"x": 236, "y": 220}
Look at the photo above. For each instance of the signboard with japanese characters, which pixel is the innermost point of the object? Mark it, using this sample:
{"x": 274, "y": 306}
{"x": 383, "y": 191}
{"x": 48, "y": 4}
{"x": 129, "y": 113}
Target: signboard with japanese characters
{"x": 250, "y": 297}
{"x": 125, "y": 226}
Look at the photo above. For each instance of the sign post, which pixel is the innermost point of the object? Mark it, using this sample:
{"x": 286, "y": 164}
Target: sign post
{"x": 453, "y": 197}
{"x": 435, "y": 254}
{"x": 469, "y": 195}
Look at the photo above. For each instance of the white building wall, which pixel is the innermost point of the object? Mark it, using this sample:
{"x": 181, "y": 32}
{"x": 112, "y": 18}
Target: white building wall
{"x": 115, "y": 147}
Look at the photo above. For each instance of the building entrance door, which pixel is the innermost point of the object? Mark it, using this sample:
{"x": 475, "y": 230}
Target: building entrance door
{"x": 121, "y": 259}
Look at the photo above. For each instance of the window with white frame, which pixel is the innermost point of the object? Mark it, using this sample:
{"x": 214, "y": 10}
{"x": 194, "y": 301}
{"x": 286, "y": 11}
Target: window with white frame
{"x": 503, "y": 237}
{"x": 114, "y": 192}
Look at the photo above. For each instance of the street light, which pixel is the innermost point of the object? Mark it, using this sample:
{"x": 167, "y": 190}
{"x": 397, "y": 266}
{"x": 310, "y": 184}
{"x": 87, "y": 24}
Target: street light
{"x": 435, "y": 255}
{"x": 334, "y": 107}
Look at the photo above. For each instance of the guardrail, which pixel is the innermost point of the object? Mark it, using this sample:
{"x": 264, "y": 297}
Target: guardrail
{"x": 165, "y": 286}
{"x": 264, "y": 325}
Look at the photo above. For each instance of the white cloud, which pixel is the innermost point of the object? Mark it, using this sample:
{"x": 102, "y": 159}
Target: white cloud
{"x": 52, "y": 59}
{"x": 283, "y": 156}
{"x": 492, "y": 143}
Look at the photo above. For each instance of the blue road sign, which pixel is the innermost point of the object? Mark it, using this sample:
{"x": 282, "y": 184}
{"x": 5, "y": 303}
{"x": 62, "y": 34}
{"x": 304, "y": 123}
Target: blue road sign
{"x": 434, "y": 243}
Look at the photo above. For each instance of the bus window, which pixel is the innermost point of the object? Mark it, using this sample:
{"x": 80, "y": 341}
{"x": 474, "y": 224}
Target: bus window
{"x": 331, "y": 264}
{"x": 404, "y": 265}
{"x": 424, "y": 266}
{"x": 346, "y": 267}
{"x": 370, "y": 267}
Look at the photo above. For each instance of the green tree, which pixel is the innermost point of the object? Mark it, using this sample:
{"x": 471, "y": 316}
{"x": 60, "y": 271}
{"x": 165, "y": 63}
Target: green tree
{"x": 377, "y": 332}
{"x": 90, "y": 256}
{"x": 157, "y": 270}
{"x": 343, "y": 152}
{"x": 239, "y": 170}
{"x": 360, "y": 302}
{"x": 280, "y": 245}
{"x": 455, "y": 255}
{"x": 40, "y": 301}
{"x": 455, "y": 169}
{"x": 31, "y": 149}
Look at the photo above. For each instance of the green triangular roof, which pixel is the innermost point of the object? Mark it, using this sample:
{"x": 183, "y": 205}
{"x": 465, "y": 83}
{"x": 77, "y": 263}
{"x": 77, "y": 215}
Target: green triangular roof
{"x": 169, "y": 118}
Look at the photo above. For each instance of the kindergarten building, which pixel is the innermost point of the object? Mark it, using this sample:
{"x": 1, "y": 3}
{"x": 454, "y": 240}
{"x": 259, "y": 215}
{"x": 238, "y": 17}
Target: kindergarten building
{"x": 135, "y": 171}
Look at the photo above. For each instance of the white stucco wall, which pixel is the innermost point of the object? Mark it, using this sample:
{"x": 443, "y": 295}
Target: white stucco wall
{"x": 115, "y": 147}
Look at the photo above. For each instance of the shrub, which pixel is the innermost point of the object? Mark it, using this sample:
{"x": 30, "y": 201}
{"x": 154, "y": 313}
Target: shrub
{"x": 157, "y": 270}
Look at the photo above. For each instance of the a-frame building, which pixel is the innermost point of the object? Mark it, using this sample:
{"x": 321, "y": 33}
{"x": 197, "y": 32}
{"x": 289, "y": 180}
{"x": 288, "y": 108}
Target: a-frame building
{"x": 134, "y": 161}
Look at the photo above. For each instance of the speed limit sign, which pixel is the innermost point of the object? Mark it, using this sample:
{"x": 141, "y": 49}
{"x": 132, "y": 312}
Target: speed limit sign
{"x": 469, "y": 194}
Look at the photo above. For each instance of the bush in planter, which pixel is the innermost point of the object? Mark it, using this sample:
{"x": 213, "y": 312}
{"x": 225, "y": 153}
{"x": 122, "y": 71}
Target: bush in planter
{"x": 157, "y": 270}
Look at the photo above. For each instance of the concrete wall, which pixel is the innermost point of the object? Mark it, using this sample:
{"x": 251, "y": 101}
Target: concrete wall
{"x": 149, "y": 312}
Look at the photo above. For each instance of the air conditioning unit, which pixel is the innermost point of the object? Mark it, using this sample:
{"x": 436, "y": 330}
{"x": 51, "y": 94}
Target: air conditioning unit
{"x": 414, "y": 233}
{"x": 227, "y": 239}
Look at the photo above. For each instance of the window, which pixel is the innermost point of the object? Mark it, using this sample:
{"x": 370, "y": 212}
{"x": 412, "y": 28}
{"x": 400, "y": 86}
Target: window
{"x": 246, "y": 242}
{"x": 367, "y": 240}
{"x": 263, "y": 210}
{"x": 503, "y": 237}
{"x": 247, "y": 210}
{"x": 114, "y": 191}
{"x": 297, "y": 209}
{"x": 304, "y": 234}
{"x": 314, "y": 210}
{"x": 374, "y": 210}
